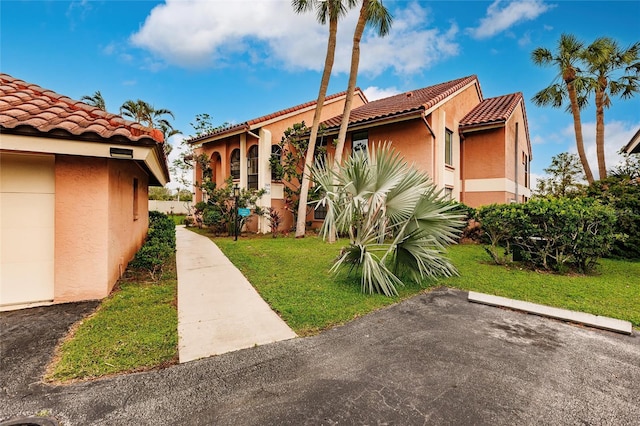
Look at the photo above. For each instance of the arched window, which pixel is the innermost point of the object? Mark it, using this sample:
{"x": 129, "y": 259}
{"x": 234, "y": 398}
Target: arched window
{"x": 276, "y": 163}
{"x": 252, "y": 167}
{"x": 235, "y": 164}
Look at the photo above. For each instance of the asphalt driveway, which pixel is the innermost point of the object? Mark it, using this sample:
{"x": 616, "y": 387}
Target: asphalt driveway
{"x": 433, "y": 359}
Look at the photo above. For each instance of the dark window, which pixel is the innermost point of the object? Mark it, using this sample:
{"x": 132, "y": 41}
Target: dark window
{"x": 359, "y": 141}
{"x": 135, "y": 198}
{"x": 320, "y": 148}
{"x": 525, "y": 160}
{"x": 448, "y": 147}
{"x": 320, "y": 212}
{"x": 235, "y": 164}
{"x": 276, "y": 155}
{"x": 252, "y": 167}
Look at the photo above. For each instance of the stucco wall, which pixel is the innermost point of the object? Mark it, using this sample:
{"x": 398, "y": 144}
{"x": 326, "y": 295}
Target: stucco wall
{"x": 81, "y": 242}
{"x": 484, "y": 154}
{"x": 96, "y": 234}
{"x": 127, "y": 230}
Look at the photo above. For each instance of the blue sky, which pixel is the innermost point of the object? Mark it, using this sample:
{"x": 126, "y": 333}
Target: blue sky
{"x": 239, "y": 59}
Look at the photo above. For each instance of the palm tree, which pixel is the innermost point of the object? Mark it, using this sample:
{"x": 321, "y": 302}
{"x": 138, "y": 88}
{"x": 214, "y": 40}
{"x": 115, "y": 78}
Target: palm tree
{"x": 96, "y": 100}
{"x": 371, "y": 12}
{"x": 330, "y": 10}
{"x": 144, "y": 113}
{"x": 572, "y": 86}
{"x": 374, "y": 13}
{"x": 398, "y": 224}
{"x": 604, "y": 58}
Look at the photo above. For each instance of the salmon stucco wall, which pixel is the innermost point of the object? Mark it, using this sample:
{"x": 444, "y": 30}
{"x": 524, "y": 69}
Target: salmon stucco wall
{"x": 81, "y": 230}
{"x": 484, "y": 154}
{"x": 127, "y": 229}
{"x": 96, "y": 234}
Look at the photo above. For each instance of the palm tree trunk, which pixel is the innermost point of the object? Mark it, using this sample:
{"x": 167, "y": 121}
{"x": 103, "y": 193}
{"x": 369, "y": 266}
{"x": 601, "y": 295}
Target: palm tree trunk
{"x": 351, "y": 87}
{"x": 602, "y": 168}
{"x": 577, "y": 126}
{"x": 324, "y": 84}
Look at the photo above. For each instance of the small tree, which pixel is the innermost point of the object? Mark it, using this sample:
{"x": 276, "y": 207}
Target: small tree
{"x": 397, "y": 223}
{"x": 566, "y": 177}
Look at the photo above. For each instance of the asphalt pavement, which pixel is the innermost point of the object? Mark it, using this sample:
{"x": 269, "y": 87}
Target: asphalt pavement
{"x": 433, "y": 359}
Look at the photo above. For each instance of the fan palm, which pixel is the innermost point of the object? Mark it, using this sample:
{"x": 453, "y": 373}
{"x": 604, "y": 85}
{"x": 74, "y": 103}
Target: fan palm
{"x": 398, "y": 224}
{"x": 96, "y": 100}
{"x": 331, "y": 11}
{"x": 572, "y": 86}
{"x": 604, "y": 59}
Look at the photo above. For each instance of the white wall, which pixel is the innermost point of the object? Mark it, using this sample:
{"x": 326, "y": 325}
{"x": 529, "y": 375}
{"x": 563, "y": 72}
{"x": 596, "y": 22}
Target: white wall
{"x": 179, "y": 207}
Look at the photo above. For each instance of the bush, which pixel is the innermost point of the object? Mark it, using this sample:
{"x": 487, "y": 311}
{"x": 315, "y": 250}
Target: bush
{"x": 623, "y": 194}
{"x": 553, "y": 234}
{"x": 158, "y": 247}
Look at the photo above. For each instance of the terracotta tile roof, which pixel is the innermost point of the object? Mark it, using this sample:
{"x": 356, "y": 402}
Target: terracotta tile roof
{"x": 247, "y": 124}
{"x": 492, "y": 110}
{"x": 26, "y": 108}
{"x": 415, "y": 100}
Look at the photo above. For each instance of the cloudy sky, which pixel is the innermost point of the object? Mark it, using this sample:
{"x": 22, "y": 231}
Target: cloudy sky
{"x": 240, "y": 59}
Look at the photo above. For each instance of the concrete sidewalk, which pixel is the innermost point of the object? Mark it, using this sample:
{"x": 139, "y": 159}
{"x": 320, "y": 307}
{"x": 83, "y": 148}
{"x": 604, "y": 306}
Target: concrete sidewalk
{"x": 218, "y": 309}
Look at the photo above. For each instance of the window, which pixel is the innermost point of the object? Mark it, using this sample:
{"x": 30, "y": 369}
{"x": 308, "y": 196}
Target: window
{"x": 135, "y": 198}
{"x": 320, "y": 148}
{"x": 252, "y": 167}
{"x": 525, "y": 161}
{"x": 448, "y": 147}
{"x": 320, "y": 212}
{"x": 235, "y": 164}
{"x": 275, "y": 161}
{"x": 359, "y": 141}
{"x": 448, "y": 193}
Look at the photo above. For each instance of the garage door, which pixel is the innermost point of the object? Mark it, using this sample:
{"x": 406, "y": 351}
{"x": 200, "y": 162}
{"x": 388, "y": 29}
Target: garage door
{"x": 27, "y": 207}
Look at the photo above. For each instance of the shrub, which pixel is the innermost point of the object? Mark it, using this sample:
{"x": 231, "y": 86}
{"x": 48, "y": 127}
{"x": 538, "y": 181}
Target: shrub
{"x": 158, "y": 247}
{"x": 554, "y": 234}
{"x": 623, "y": 194}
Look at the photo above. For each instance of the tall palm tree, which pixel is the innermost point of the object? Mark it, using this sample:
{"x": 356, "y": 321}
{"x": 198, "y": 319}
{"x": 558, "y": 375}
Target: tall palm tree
{"x": 605, "y": 59}
{"x": 374, "y": 13}
{"x": 398, "y": 223}
{"x": 96, "y": 100}
{"x": 572, "y": 86}
{"x": 330, "y": 10}
{"x": 144, "y": 113}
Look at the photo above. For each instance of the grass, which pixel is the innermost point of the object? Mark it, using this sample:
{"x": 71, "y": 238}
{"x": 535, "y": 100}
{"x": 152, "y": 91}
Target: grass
{"x": 134, "y": 329}
{"x": 292, "y": 276}
{"x": 178, "y": 219}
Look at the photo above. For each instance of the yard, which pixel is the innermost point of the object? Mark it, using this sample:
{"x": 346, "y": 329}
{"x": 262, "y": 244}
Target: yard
{"x": 136, "y": 327}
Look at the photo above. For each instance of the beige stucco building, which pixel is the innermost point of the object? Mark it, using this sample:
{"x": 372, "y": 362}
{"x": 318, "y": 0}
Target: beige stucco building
{"x": 73, "y": 195}
{"x": 476, "y": 150}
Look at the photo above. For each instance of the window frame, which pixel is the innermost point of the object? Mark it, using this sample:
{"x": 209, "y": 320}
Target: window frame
{"x": 448, "y": 147}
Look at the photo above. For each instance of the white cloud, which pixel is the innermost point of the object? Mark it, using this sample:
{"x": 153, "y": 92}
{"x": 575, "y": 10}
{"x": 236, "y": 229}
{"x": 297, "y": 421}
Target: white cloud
{"x": 502, "y": 15}
{"x": 373, "y": 93}
{"x": 193, "y": 33}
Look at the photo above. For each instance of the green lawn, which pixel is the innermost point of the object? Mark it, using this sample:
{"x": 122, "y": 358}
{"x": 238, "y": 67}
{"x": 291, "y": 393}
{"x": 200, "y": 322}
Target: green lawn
{"x": 133, "y": 329}
{"x": 292, "y": 276}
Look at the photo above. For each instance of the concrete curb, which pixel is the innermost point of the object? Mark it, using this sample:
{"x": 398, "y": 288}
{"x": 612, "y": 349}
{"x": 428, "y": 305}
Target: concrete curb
{"x": 596, "y": 321}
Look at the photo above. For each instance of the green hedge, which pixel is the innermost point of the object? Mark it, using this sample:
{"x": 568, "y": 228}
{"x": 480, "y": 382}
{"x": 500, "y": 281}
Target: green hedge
{"x": 160, "y": 244}
{"x": 555, "y": 234}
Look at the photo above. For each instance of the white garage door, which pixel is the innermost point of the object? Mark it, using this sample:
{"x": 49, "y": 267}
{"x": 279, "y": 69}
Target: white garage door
{"x": 27, "y": 219}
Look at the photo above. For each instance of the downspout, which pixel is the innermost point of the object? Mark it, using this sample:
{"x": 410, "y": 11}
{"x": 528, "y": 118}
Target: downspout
{"x": 433, "y": 146}
{"x": 516, "y": 165}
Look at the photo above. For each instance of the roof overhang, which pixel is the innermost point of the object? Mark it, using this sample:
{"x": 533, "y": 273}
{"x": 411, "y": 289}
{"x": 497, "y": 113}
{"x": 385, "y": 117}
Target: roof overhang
{"x": 379, "y": 121}
{"x": 150, "y": 157}
{"x": 633, "y": 147}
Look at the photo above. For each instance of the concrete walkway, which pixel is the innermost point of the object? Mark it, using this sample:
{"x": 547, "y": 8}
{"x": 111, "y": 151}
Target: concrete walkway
{"x": 218, "y": 309}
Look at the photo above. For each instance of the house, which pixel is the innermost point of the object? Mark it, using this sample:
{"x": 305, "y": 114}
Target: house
{"x": 633, "y": 147}
{"x": 73, "y": 195}
{"x": 476, "y": 150}
{"x": 243, "y": 152}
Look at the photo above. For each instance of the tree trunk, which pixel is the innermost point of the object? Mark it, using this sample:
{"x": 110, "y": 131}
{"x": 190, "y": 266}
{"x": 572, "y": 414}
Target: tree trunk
{"x": 577, "y": 126}
{"x": 602, "y": 168}
{"x": 324, "y": 84}
{"x": 353, "y": 75}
